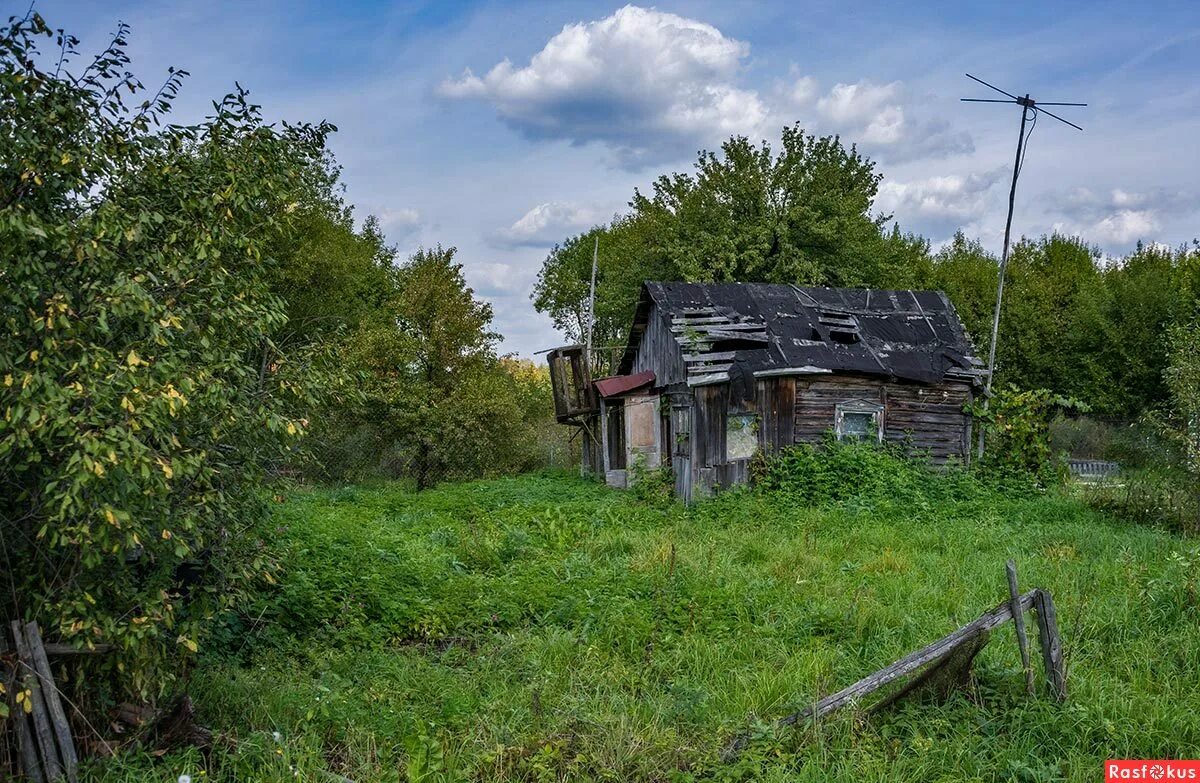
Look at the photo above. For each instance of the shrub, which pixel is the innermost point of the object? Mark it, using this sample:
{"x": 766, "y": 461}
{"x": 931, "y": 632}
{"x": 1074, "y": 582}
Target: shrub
{"x": 1016, "y": 427}
{"x": 838, "y": 471}
{"x": 139, "y": 400}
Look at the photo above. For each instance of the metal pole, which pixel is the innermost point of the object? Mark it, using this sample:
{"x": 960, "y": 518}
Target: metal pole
{"x": 1012, "y": 196}
{"x": 591, "y": 320}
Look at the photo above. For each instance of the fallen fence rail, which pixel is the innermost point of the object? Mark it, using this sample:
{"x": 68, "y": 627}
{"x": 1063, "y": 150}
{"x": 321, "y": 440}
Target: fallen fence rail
{"x": 957, "y": 649}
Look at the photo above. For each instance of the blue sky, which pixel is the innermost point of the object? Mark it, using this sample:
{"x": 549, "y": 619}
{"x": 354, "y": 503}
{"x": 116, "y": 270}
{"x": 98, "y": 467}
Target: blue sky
{"x": 500, "y": 128}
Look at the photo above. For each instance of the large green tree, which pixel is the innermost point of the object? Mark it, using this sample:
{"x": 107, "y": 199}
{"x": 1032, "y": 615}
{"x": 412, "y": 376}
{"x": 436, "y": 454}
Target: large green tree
{"x": 443, "y": 404}
{"x": 139, "y": 398}
{"x": 801, "y": 214}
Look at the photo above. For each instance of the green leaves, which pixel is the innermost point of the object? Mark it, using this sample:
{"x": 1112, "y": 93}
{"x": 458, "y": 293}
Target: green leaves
{"x": 136, "y": 313}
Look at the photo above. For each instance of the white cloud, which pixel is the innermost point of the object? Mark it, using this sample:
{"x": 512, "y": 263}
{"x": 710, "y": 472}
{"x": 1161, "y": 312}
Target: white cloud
{"x": 885, "y": 120}
{"x": 399, "y": 223}
{"x": 653, "y": 86}
{"x": 644, "y": 82}
{"x": 940, "y": 205}
{"x": 1118, "y": 217}
{"x": 548, "y": 223}
{"x": 1125, "y": 226}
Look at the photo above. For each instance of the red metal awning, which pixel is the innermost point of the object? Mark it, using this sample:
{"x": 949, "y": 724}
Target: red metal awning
{"x": 616, "y": 385}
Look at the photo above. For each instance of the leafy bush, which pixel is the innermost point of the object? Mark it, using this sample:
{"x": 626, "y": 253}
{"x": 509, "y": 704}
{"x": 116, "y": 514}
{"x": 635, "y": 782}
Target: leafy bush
{"x": 1016, "y": 434}
{"x": 840, "y": 471}
{"x": 139, "y": 391}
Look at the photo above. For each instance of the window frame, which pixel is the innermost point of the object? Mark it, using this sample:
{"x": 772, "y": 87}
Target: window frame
{"x": 858, "y": 407}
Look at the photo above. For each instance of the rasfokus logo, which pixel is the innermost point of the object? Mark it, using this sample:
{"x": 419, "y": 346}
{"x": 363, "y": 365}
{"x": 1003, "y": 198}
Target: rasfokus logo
{"x": 1143, "y": 769}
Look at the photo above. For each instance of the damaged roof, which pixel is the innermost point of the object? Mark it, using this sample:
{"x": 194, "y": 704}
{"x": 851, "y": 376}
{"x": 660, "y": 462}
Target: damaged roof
{"x": 762, "y": 329}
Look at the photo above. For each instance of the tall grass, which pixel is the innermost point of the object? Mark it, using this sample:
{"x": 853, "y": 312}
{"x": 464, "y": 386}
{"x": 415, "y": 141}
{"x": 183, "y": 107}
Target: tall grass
{"x": 546, "y": 628}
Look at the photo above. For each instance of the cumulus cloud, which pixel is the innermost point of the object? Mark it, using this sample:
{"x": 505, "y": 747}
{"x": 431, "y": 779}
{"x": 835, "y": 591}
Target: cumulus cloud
{"x": 499, "y": 279}
{"x": 547, "y": 223}
{"x": 940, "y": 205}
{"x": 1119, "y": 217}
{"x": 884, "y": 120}
{"x": 652, "y": 85}
{"x": 399, "y": 223}
{"x": 646, "y": 83}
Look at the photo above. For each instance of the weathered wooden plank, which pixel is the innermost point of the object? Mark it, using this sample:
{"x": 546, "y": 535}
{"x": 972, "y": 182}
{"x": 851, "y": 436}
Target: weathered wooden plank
{"x": 1051, "y": 642}
{"x": 58, "y": 716}
{"x": 26, "y": 747}
{"x": 1014, "y": 597}
{"x": 713, "y": 356}
{"x": 905, "y": 666}
{"x": 43, "y": 733}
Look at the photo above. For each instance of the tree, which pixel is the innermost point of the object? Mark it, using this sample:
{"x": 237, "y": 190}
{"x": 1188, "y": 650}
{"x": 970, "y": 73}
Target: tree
{"x": 138, "y": 406}
{"x": 446, "y": 408}
{"x": 799, "y": 216}
{"x": 802, "y": 215}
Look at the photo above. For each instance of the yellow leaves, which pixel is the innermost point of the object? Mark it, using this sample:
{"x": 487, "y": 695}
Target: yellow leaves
{"x": 291, "y": 428}
{"x": 33, "y": 355}
{"x": 25, "y": 700}
{"x": 167, "y": 470}
{"x": 126, "y": 404}
{"x": 133, "y": 360}
{"x": 188, "y": 643}
{"x": 166, "y": 535}
{"x": 8, "y": 379}
{"x": 110, "y": 516}
{"x": 64, "y": 160}
{"x": 98, "y": 468}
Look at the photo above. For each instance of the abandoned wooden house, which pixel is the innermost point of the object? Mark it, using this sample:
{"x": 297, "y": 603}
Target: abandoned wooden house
{"x": 713, "y": 374}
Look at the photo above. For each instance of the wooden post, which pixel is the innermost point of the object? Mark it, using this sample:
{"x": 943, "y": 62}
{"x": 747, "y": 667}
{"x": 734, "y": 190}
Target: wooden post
{"x": 58, "y": 717}
{"x": 1052, "y": 655}
{"x": 1014, "y": 597}
{"x": 41, "y": 722}
{"x": 604, "y": 438}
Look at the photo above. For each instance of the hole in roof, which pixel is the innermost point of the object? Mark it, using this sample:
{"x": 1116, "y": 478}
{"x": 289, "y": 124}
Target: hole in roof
{"x": 843, "y": 336}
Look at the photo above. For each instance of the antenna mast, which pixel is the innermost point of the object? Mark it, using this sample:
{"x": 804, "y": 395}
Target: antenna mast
{"x": 1029, "y": 109}
{"x": 591, "y": 319}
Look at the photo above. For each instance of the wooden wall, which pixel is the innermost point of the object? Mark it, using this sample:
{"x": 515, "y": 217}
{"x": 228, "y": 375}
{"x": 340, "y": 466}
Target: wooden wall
{"x": 658, "y": 351}
{"x": 924, "y": 419}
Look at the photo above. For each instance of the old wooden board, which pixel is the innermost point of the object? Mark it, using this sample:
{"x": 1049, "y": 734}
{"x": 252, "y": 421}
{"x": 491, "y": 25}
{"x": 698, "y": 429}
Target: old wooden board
{"x": 907, "y": 665}
{"x": 1052, "y": 652}
{"x": 58, "y": 716}
{"x": 1019, "y": 624}
{"x": 42, "y": 731}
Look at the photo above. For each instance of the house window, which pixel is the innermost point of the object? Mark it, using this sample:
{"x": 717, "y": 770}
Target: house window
{"x": 858, "y": 420}
{"x": 741, "y": 436}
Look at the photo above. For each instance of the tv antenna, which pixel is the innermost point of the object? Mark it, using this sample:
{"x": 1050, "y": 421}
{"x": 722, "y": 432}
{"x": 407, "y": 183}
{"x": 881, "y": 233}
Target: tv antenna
{"x": 1030, "y": 109}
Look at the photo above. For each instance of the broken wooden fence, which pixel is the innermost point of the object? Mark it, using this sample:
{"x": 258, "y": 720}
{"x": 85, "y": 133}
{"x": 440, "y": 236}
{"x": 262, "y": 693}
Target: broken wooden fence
{"x": 956, "y": 651}
{"x": 45, "y": 747}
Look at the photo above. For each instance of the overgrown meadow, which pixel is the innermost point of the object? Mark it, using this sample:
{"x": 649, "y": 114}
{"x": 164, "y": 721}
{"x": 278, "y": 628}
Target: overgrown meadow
{"x": 546, "y": 628}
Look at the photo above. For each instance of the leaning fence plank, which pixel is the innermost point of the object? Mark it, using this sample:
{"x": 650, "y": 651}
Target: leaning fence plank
{"x": 58, "y": 717}
{"x": 26, "y": 750}
{"x": 905, "y": 666}
{"x": 1052, "y": 654}
{"x": 1019, "y": 622}
{"x": 47, "y": 750}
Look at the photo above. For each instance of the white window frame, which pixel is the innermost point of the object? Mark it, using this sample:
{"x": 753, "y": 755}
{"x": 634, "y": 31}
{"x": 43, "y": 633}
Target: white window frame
{"x": 860, "y": 407}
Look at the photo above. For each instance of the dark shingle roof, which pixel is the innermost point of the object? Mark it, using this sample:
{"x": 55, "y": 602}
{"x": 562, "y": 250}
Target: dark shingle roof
{"x": 756, "y": 329}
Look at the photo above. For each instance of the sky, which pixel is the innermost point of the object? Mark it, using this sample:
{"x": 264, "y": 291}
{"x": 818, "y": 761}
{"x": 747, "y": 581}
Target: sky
{"x": 502, "y": 128}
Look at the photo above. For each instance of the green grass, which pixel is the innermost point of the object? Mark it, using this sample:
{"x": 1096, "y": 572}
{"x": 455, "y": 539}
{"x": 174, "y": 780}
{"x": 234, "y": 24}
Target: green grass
{"x": 545, "y": 628}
